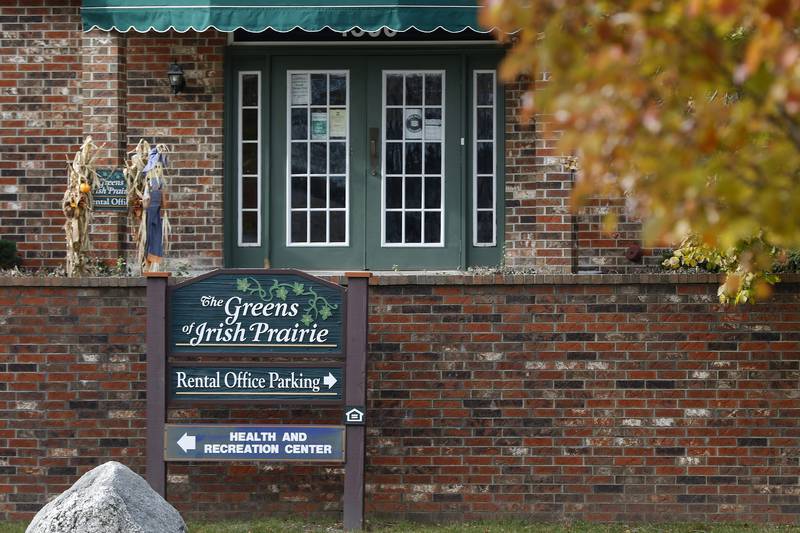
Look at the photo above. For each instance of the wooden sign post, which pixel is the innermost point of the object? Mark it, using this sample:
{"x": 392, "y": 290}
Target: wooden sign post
{"x": 256, "y": 313}
{"x": 355, "y": 398}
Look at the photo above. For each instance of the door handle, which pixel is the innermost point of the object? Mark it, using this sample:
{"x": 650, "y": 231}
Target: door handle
{"x": 373, "y": 150}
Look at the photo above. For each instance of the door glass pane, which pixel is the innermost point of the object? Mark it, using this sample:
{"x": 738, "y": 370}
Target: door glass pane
{"x": 299, "y": 225}
{"x": 485, "y": 124}
{"x": 413, "y": 158}
{"x": 433, "y": 228}
{"x": 250, "y": 90}
{"x": 433, "y": 192}
{"x": 250, "y": 124}
{"x": 394, "y": 123}
{"x": 249, "y": 226}
{"x": 299, "y": 191}
{"x": 394, "y": 89}
{"x": 319, "y": 195}
{"x": 337, "y": 192}
{"x": 299, "y": 123}
{"x": 338, "y": 89}
{"x": 319, "y": 89}
{"x": 249, "y": 159}
{"x": 413, "y": 89}
{"x": 433, "y": 89}
{"x": 338, "y": 158}
{"x": 319, "y": 226}
{"x": 433, "y": 158}
{"x": 413, "y": 192}
{"x": 250, "y": 193}
{"x": 394, "y": 193}
{"x": 337, "y": 226}
{"x": 413, "y": 226}
{"x": 413, "y": 146}
{"x": 394, "y": 158}
{"x": 319, "y": 158}
{"x": 299, "y": 158}
{"x": 394, "y": 226}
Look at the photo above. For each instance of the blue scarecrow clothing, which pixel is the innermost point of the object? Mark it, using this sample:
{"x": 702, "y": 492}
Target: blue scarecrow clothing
{"x": 155, "y": 225}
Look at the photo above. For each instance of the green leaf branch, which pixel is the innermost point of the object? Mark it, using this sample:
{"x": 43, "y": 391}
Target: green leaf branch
{"x": 316, "y": 307}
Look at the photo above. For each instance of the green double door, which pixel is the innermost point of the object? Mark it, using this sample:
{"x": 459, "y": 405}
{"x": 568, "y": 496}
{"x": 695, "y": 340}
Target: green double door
{"x": 365, "y": 164}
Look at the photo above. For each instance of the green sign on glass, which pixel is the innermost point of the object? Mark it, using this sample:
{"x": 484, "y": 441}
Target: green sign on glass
{"x": 257, "y": 312}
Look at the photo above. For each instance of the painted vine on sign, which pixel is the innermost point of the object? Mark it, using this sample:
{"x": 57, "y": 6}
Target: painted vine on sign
{"x": 145, "y": 180}
{"x": 82, "y": 181}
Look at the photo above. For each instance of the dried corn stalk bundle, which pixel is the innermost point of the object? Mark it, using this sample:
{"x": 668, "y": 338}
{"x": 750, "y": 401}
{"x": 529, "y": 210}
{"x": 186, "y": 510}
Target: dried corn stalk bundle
{"x": 82, "y": 180}
{"x": 135, "y": 180}
{"x": 140, "y": 180}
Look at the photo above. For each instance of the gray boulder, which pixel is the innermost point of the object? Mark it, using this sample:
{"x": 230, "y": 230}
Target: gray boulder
{"x": 110, "y": 498}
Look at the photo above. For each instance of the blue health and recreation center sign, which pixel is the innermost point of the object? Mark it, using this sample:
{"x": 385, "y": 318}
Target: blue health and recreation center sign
{"x": 257, "y": 312}
{"x": 287, "y": 443}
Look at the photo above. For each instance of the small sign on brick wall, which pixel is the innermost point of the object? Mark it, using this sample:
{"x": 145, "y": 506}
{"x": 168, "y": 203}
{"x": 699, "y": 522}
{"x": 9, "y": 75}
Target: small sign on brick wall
{"x": 112, "y": 194}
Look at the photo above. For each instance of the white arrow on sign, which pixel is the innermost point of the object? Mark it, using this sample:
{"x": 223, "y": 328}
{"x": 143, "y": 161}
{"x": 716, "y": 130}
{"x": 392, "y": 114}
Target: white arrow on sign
{"x": 329, "y": 380}
{"x": 187, "y": 442}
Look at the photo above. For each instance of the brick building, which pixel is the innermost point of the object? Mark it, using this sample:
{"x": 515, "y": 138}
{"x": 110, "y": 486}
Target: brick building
{"x": 492, "y": 191}
{"x": 309, "y": 142}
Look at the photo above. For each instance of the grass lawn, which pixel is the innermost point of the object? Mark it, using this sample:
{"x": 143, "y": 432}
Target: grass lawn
{"x": 383, "y": 526}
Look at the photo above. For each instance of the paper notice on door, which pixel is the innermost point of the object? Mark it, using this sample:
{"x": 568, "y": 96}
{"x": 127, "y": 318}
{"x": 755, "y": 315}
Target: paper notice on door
{"x": 433, "y": 129}
{"x": 319, "y": 126}
{"x": 299, "y": 89}
{"x": 413, "y": 123}
{"x": 338, "y": 123}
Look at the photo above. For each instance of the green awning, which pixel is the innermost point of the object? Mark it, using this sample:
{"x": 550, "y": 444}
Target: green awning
{"x": 280, "y": 15}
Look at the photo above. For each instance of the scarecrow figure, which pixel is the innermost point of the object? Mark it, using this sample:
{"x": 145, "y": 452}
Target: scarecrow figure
{"x": 154, "y": 202}
{"x": 144, "y": 176}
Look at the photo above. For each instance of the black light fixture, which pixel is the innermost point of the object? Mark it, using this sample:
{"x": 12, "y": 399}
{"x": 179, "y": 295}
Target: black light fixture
{"x": 176, "y": 79}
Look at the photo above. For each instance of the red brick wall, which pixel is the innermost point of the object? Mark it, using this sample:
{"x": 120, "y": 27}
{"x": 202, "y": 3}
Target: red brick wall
{"x": 40, "y": 122}
{"x": 58, "y": 85}
{"x": 72, "y": 386}
{"x": 191, "y": 125}
{"x": 554, "y": 399}
{"x": 543, "y": 232}
{"x": 538, "y": 233}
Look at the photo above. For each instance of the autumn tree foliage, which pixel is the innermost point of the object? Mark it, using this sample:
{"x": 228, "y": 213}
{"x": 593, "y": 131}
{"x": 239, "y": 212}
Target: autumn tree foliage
{"x": 689, "y": 108}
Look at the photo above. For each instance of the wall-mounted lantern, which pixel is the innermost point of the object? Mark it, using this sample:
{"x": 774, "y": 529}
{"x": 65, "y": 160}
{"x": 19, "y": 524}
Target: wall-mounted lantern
{"x": 176, "y": 79}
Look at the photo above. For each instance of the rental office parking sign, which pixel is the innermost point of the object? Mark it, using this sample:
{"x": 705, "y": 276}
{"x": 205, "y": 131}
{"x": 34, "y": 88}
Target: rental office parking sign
{"x": 211, "y": 340}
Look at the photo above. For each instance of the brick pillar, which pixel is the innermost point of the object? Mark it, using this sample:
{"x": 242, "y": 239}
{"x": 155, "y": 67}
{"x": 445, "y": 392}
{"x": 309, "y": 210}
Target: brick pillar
{"x": 539, "y": 223}
{"x": 104, "y": 108}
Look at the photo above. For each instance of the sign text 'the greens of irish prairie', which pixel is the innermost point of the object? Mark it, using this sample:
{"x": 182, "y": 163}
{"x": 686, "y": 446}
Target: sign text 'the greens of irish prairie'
{"x": 238, "y": 312}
